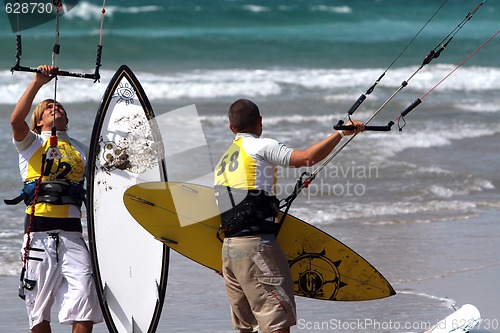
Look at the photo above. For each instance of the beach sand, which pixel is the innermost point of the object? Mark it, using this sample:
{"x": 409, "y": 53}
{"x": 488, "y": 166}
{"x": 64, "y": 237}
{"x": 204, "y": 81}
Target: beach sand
{"x": 479, "y": 287}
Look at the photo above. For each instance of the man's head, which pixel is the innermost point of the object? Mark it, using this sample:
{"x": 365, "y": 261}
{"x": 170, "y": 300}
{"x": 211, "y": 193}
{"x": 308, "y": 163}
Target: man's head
{"x": 42, "y": 118}
{"x": 244, "y": 117}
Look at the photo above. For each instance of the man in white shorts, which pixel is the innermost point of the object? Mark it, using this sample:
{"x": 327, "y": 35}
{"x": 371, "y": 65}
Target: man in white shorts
{"x": 56, "y": 262}
{"x": 258, "y": 280}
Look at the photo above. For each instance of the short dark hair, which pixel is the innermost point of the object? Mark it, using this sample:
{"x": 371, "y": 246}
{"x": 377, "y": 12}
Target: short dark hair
{"x": 244, "y": 116}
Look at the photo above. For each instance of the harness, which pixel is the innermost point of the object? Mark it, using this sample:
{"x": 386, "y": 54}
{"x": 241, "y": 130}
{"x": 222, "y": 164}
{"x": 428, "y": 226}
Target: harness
{"x": 55, "y": 192}
{"x": 246, "y": 212}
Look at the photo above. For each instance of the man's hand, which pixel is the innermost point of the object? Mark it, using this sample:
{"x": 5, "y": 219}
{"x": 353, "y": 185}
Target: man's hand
{"x": 358, "y": 127}
{"x": 45, "y": 74}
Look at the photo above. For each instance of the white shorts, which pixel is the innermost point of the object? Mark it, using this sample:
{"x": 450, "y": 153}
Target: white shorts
{"x": 59, "y": 263}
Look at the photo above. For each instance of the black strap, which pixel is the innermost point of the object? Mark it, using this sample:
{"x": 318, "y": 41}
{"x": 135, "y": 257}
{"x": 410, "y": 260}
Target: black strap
{"x": 246, "y": 212}
{"x": 53, "y": 192}
{"x": 16, "y": 200}
{"x": 41, "y": 223}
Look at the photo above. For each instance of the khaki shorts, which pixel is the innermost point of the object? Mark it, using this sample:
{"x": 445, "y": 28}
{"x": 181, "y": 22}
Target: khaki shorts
{"x": 259, "y": 283}
{"x": 60, "y": 264}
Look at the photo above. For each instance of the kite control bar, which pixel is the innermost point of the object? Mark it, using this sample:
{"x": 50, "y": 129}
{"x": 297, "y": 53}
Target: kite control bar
{"x": 340, "y": 126}
{"x": 94, "y": 76}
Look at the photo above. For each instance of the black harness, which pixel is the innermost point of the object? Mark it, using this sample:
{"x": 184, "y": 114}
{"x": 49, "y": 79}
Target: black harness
{"x": 54, "y": 192}
{"x": 246, "y": 212}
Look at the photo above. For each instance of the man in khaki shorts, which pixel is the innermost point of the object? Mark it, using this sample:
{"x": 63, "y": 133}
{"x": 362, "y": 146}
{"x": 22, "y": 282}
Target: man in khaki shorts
{"x": 259, "y": 284}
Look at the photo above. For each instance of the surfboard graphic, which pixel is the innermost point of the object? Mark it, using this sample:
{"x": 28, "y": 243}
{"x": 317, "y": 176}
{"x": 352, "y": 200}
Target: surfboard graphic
{"x": 125, "y": 149}
{"x": 186, "y": 218}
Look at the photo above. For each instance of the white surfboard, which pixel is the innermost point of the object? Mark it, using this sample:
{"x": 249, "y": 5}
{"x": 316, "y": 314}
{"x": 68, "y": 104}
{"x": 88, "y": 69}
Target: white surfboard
{"x": 125, "y": 149}
{"x": 460, "y": 321}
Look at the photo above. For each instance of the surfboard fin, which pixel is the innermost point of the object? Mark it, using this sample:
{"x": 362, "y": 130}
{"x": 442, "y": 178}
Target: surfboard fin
{"x": 166, "y": 240}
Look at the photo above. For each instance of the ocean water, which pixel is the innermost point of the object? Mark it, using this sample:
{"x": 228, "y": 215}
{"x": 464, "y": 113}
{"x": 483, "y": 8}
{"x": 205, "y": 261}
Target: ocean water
{"x": 420, "y": 204}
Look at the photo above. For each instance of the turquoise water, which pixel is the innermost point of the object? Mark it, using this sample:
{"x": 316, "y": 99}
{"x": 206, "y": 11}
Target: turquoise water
{"x": 418, "y": 204}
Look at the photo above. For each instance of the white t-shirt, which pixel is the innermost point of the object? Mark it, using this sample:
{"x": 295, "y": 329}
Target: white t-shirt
{"x": 251, "y": 162}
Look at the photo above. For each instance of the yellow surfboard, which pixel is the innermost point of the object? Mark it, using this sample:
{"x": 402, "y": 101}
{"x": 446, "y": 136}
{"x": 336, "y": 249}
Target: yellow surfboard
{"x": 186, "y": 218}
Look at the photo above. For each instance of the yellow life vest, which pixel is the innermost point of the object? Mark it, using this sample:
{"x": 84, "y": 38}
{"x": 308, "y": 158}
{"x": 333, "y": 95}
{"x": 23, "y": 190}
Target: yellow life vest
{"x": 237, "y": 169}
{"x": 70, "y": 168}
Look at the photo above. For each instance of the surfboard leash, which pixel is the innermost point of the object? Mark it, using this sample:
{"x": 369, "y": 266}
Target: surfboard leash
{"x": 59, "y": 9}
{"x": 25, "y": 283}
